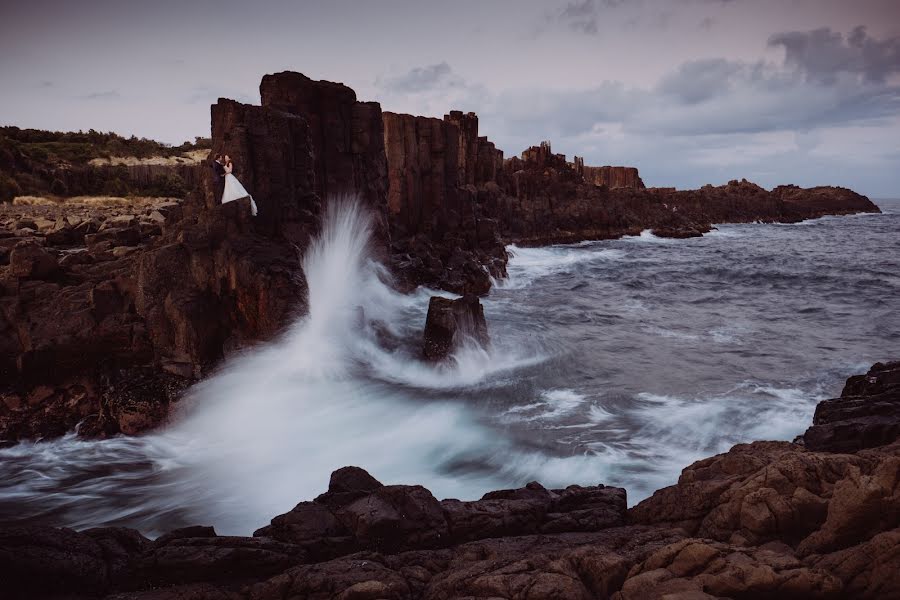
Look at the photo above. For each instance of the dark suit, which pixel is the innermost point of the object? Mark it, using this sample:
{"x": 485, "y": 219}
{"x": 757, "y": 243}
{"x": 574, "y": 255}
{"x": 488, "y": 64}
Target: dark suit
{"x": 218, "y": 179}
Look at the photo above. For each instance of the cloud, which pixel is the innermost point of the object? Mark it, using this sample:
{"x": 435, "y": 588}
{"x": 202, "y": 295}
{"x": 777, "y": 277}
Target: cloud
{"x": 421, "y": 79}
{"x": 823, "y": 55}
{"x": 107, "y": 95}
{"x": 717, "y": 119}
{"x": 715, "y": 96}
{"x": 431, "y": 90}
{"x": 584, "y": 16}
{"x": 700, "y": 80}
{"x": 580, "y": 16}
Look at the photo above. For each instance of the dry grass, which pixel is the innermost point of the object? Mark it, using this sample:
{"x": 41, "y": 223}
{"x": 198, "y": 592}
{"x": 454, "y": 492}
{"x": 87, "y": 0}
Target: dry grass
{"x": 36, "y": 201}
{"x": 90, "y": 201}
{"x": 193, "y": 157}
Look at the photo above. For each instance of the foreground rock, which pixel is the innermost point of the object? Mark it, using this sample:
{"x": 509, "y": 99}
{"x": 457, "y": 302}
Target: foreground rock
{"x": 764, "y": 520}
{"x": 866, "y": 415}
{"x": 451, "y": 324}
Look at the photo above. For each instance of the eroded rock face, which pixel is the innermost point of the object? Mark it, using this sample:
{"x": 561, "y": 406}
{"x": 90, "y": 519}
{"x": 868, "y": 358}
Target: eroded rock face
{"x": 696, "y": 568}
{"x": 448, "y": 218}
{"x": 451, "y": 323}
{"x": 69, "y": 310}
{"x": 768, "y": 491}
{"x": 347, "y": 140}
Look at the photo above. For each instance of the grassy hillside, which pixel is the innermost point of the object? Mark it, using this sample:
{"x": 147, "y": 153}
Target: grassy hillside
{"x": 36, "y": 162}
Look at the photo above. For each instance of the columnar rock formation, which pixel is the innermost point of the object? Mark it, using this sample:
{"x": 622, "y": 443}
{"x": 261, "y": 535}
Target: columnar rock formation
{"x": 108, "y": 315}
{"x": 441, "y": 236}
{"x": 451, "y": 324}
{"x": 763, "y": 520}
{"x": 310, "y": 140}
{"x": 424, "y": 171}
{"x": 613, "y": 177}
{"x": 111, "y": 335}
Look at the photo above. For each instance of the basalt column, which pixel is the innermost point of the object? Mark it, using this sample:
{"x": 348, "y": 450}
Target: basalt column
{"x": 347, "y": 139}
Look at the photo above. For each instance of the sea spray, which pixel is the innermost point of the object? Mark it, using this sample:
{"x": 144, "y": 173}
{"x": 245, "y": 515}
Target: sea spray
{"x": 583, "y": 383}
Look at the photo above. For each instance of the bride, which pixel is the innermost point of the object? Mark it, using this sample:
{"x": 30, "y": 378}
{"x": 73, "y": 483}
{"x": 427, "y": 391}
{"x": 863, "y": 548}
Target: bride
{"x": 233, "y": 188}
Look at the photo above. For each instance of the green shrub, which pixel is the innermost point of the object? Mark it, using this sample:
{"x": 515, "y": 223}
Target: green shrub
{"x": 9, "y": 188}
{"x": 58, "y": 188}
{"x": 116, "y": 187}
{"x": 169, "y": 186}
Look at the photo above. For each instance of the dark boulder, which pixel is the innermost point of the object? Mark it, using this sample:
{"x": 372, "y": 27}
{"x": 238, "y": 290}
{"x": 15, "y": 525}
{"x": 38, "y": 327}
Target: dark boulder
{"x": 28, "y": 260}
{"x": 451, "y": 323}
{"x": 116, "y": 236}
{"x": 211, "y": 559}
{"x": 40, "y": 562}
{"x": 866, "y": 415}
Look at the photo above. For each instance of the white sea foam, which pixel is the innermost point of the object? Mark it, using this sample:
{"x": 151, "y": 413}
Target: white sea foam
{"x": 681, "y": 430}
{"x": 646, "y": 236}
{"x": 552, "y": 405}
{"x": 527, "y": 265}
{"x": 267, "y": 429}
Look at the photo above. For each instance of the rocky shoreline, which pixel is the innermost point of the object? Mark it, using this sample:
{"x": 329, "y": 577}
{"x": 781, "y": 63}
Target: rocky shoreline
{"x": 109, "y": 311}
{"x": 817, "y": 518}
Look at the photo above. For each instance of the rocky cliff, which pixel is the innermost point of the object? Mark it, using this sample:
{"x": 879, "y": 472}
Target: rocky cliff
{"x": 440, "y": 235}
{"x": 108, "y": 312}
{"x": 450, "y": 231}
{"x": 611, "y": 177}
{"x": 764, "y": 520}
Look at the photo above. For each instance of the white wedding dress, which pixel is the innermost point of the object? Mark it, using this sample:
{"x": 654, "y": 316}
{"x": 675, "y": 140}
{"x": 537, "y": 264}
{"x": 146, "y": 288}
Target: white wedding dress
{"x": 235, "y": 191}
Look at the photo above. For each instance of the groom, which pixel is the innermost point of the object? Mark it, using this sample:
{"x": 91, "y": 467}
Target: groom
{"x": 218, "y": 177}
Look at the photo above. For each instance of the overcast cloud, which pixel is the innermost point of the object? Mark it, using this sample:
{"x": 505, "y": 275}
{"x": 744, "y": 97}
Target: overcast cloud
{"x": 689, "y": 91}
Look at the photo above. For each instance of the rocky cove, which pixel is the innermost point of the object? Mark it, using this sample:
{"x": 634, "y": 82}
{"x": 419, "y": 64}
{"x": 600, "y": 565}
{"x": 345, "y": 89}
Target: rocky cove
{"x": 111, "y": 312}
{"x": 816, "y": 518}
{"x": 108, "y": 313}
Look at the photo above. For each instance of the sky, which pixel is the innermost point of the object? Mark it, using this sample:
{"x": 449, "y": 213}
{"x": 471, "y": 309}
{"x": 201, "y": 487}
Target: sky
{"x": 689, "y": 91}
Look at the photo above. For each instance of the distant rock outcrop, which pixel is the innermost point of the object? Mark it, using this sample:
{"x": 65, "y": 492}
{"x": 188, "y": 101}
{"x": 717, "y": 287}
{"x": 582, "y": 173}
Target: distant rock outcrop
{"x": 611, "y": 177}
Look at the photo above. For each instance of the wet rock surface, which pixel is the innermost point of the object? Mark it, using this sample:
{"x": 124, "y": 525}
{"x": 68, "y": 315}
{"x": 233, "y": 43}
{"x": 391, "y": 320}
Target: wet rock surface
{"x": 867, "y": 414}
{"x": 764, "y": 520}
{"x": 453, "y": 323}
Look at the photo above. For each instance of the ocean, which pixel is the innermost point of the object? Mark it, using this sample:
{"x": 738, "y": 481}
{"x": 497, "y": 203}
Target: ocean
{"x": 617, "y": 362}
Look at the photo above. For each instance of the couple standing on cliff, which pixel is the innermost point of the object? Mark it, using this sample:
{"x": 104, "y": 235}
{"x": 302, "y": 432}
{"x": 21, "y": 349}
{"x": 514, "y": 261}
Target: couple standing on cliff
{"x": 227, "y": 185}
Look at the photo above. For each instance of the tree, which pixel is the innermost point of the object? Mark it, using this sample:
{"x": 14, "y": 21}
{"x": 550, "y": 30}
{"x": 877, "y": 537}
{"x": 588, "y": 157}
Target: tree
{"x": 9, "y": 188}
{"x": 58, "y": 188}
